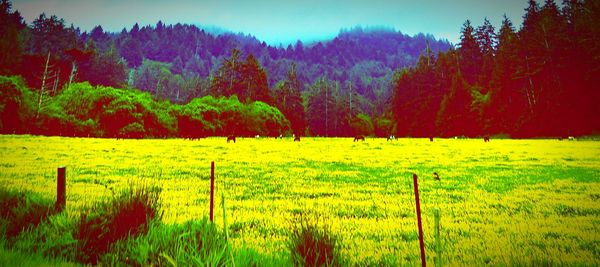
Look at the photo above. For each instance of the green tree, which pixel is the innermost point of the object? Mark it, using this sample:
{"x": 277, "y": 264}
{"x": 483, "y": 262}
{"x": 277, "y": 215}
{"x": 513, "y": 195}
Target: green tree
{"x": 469, "y": 54}
{"x": 319, "y": 107}
{"x": 247, "y": 80}
{"x": 506, "y": 105}
{"x": 454, "y": 116}
{"x": 255, "y": 82}
{"x": 363, "y": 125}
{"x": 104, "y": 68}
{"x": 11, "y": 25}
{"x": 289, "y": 101}
{"x": 486, "y": 39}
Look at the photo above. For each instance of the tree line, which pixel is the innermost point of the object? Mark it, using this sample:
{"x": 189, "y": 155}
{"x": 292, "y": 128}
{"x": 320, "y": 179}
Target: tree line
{"x": 98, "y": 111}
{"x": 537, "y": 81}
{"x": 541, "y": 80}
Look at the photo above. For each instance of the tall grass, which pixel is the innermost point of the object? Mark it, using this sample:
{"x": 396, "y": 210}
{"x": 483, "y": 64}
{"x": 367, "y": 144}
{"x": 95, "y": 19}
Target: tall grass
{"x": 128, "y": 214}
{"x": 194, "y": 243}
{"x": 20, "y": 211}
{"x": 313, "y": 245}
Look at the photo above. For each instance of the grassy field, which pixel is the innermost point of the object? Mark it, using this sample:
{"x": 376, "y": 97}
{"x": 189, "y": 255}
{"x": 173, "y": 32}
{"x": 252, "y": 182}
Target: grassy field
{"x": 506, "y": 202}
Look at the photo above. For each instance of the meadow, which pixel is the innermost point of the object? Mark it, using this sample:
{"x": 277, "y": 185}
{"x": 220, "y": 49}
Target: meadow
{"x": 506, "y": 202}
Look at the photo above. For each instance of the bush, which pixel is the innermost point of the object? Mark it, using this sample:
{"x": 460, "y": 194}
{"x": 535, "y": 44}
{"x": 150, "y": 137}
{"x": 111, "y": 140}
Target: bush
{"x": 16, "y": 103}
{"x": 85, "y": 110}
{"x": 20, "y": 211}
{"x": 126, "y": 215}
{"x": 223, "y": 116}
{"x": 134, "y": 130}
{"x": 311, "y": 245}
{"x": 362, "y": 124}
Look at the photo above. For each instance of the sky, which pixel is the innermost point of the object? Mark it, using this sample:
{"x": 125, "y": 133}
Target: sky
{"x": 282, "y": 22}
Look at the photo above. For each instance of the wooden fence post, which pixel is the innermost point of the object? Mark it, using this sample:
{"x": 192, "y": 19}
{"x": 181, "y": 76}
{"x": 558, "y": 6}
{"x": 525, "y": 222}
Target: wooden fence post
{"x": 212, "y": 189}
{"x": 61, "y": 189}
{"x": 422, "y": 245}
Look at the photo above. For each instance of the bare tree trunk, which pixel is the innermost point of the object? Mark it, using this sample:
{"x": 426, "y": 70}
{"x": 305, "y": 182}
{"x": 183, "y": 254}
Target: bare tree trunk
{"x": 56, "y": 82}
{"x": 72, "y": 75}
{"x": 326, "y": 111}
{"x": 530, "y": 91}
{"x": 40, "y": 98}
{"x": 350, "y": 99}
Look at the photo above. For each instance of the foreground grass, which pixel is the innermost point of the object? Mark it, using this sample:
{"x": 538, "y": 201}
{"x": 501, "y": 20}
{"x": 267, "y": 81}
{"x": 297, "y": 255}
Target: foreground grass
{"x": 507, "y": 202}
{"x": 16, "y": 258}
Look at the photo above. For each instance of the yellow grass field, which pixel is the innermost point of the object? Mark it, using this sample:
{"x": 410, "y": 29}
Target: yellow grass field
{"x": 506, "y": 202}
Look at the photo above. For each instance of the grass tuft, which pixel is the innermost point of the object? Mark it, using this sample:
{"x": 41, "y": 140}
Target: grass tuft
{"x": 124, "y": 216}
{"x": 312, "y": 245}
{"x": 20, "y": 211}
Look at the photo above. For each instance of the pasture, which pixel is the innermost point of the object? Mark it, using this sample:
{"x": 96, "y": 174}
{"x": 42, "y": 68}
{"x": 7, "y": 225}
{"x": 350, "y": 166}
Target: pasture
{"x": 504, "y": 202}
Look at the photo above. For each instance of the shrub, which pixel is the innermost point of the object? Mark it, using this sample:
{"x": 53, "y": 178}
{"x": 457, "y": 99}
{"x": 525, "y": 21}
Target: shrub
{"x": 134, "y": 130}
{"x": 362, "y": 124}
{"x": 20, "y": 211}
{"x": 123, "y": 216}
{"x": 16, "y": 105}
{"x": 311, "y": 245}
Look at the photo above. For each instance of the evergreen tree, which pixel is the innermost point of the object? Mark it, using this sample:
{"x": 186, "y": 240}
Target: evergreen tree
{"x": 319, "y": 108}
{"x": 11, "y": 25}
{"x": 506, "y": 105}
{"x": 470, "y": 57}
{"x": 289, "y": 101}
{"x": 486, "y": 39}
{"x": 454, "y": 117}
{"x": 247, "y": 80}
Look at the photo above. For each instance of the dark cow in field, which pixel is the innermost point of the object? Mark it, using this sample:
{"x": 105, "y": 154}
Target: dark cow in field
{"x": 431, "y": 139}
{"x": 297, "y": 138}
{"x": 359, "y": 137}
{"x": 486, "y": 138}
{"x": 231, "y": 138}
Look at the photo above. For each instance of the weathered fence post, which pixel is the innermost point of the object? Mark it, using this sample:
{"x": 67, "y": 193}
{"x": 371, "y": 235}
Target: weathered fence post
{"x": 212, "y": 189}
{"x": 422, "y": 245}
{"x": 61, "y": 189}
{"x": 438, "y": 242}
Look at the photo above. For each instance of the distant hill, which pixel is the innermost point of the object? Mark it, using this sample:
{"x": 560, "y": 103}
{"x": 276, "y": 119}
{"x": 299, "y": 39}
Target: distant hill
{"x": 351, "y": 56}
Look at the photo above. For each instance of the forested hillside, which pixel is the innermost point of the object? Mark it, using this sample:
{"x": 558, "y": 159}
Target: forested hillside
{"x": 539, "y": 80}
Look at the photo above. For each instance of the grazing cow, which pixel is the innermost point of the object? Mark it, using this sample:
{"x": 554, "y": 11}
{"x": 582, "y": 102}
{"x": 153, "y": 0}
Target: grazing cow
{"x": 231, "y": 138}
{"x": 486, "y": 138}
{"x": 391, "y": 138}
{"x": 297, "y": 138}
{"x": 571, "y": 138}
{"x": 359, "y": 137}
{"x": 436, "y": 176}
{"x": 430, "y": 138}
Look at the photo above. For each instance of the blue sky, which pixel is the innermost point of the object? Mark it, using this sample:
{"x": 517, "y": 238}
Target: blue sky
{"x": 282, "y": 21}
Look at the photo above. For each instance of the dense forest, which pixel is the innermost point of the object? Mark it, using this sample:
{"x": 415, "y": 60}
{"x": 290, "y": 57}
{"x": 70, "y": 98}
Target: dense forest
{"x": 180, "y": 80}
{"x": 542, "y": 80}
